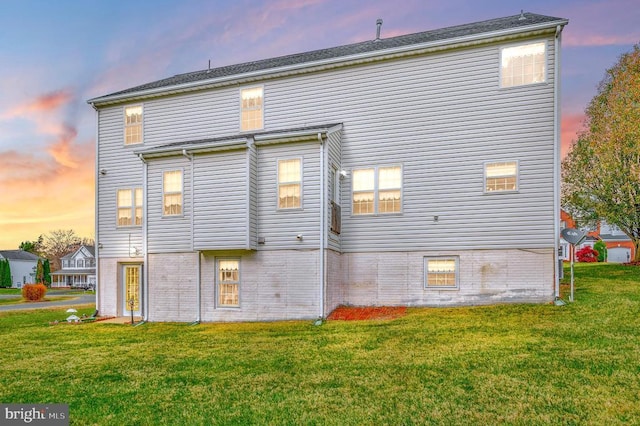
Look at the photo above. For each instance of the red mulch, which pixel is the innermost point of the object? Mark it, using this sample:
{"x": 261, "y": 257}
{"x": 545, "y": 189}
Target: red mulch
{"x": 356, "y": 313}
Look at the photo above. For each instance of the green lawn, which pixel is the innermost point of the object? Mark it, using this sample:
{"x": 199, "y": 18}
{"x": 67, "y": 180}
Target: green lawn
{"x": 507, "y": 364}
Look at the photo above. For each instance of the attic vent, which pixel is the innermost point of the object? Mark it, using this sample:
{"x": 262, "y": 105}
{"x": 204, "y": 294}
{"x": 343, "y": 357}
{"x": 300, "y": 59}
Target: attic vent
{"x": 378, "y": 25}
{"x": 522, "y": 17}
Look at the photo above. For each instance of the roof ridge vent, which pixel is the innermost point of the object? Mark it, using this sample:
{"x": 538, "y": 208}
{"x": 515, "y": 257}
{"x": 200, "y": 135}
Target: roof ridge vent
{"x": 522, "y": 17}
{"x": 379, "y": 26}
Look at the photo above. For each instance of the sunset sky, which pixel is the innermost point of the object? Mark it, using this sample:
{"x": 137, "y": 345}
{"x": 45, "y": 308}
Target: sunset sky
{"x": 54, "y": 55}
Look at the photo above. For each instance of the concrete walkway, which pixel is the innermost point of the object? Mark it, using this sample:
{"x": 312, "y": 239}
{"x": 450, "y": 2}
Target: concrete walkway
{"x": 80, "y": 299}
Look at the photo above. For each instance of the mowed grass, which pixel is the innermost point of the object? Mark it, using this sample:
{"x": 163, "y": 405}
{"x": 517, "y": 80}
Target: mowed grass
{"x": 506, "y": 364}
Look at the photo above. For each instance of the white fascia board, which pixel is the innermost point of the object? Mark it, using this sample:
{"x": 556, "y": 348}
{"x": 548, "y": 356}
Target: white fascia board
{"x": 332, "y": 62}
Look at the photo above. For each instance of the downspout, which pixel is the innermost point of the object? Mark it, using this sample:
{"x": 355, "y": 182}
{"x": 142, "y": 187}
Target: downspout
{"x": 95, "y": 224}
{"x": 322, "y": 223}
{"x": 198, "y": 290}
{"x": 556, "y": 161}
{"x": 145, "y": 221}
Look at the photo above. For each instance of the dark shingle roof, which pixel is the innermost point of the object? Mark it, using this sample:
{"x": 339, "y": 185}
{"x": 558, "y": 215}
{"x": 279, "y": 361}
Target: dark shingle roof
{"x": 18, "y": 255}
{"x": 489, "y": 26}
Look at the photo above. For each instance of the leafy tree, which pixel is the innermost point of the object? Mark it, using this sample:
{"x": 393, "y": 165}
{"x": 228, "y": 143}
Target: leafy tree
{"x": 601, "y": 173}
{"x": 34, "y": 247}
{"x": 5, "y": 273}
{"x": 601, "y": 248}
{"x": 46, "y": 267}
{"x": 39, "y": 271}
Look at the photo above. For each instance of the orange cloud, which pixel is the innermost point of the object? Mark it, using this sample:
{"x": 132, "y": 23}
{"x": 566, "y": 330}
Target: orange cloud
{"x": 45, "y": 103}
{"x": 61, "y": 150}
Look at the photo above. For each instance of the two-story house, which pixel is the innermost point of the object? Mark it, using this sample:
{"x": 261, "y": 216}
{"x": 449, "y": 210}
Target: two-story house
{"x": 22, "y": 265}
{"x": 78, "y": 269}
{"x": 417, "y": 170}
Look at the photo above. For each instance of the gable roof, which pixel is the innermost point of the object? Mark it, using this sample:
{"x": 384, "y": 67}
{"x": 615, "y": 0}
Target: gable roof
{"x": 356, "y": 51}
{"x": 18, "y": 255}
{"x": 90, "y": 249}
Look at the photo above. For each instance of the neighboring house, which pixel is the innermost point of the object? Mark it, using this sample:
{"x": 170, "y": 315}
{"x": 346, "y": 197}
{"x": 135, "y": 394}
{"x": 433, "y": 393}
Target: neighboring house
{"x": 417, "y": 170}
{"x": 23, "y": 266}
{"x": 620, "y": 248}
{"x": 78, "y": 269}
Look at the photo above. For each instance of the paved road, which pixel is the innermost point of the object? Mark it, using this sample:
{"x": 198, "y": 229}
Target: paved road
{"x": 81, "y": 299}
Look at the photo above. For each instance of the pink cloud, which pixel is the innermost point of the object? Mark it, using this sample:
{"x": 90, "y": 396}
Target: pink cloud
{"x": 571, "y": 126}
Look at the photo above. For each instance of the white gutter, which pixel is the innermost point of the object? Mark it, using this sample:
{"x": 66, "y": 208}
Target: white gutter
{"x": 95, "y": 219}
{"x": 556, "y": 160}
{"x": 330, "y": 62}
{"x": 145, "y": 220}
{"x": 322, "y": 223}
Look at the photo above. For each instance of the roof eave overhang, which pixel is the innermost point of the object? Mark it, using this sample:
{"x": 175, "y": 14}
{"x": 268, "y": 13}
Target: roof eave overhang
{"x": 341, "y": 61}
{"x": 267, "y": 138}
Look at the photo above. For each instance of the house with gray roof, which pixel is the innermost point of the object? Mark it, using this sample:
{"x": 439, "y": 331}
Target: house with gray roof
{"x": 78, "y": 269}
{"x": 417, "y": 170}
{"x": 22, "y": 265}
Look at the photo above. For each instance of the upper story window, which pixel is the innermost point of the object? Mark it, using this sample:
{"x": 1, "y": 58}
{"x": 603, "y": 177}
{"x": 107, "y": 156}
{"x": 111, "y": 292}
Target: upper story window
{"x": 130, "y": 207}
{"x": 523, "y": 64}
{"x": 251, "y": 107}
{"x": 290, "y": 183}
{"x": 501, "y": 176}
{"x": 172, "y": 193}
{"x": 377, "y": 190}
{"x": 133, "y": 125}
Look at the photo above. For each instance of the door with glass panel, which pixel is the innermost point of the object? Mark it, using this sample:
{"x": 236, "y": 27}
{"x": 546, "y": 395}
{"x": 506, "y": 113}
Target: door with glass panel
{"x": 131, "y": 289}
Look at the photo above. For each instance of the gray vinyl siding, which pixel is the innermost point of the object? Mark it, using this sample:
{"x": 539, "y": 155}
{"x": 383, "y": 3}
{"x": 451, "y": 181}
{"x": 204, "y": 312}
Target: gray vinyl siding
{"x": 168, "y": 233}
{"x": 123, "y": 170}
{"x": 252, "y": 198}
{"x": 279, "y": 228}
{"x": 441, "y": 116}
{"x": 334, "y": 160}
{"x": 222, "y": 200}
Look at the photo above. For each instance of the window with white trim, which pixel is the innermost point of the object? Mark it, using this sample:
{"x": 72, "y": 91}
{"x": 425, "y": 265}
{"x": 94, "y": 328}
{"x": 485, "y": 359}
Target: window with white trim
{"x": 133, "y": 125}
{"x": 129, "y": 207}
{"x": 501, "y": 176}
{"x": 441, "y": 272}
{"x": 172, "y": 193}
{"x": 228, "y": 282}
{"x": 251, "y": 111}
{"x": 289, "y": 183}
{"x": 377, "y": 190}
{"x": 523, "y": 64}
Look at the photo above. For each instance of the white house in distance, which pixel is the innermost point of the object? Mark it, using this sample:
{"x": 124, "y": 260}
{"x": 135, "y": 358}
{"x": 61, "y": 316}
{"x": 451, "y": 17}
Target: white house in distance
{"x": 22, "y": 265}
{"x": 78, "y": 269}
{"x": 417, "y": 170}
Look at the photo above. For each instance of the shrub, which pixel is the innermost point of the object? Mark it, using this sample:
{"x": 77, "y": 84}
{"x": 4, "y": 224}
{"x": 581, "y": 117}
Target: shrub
{"x": 587, "y": 254}
{"x": 34, "y": 292}
{"x": 601, "y": 248}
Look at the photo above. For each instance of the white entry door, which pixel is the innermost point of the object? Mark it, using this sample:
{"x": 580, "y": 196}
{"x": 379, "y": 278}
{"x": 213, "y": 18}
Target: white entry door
{"x": 132, "y": 289}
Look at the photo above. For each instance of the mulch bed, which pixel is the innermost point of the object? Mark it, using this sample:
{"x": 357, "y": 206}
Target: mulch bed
{"x": 358, "y": 313}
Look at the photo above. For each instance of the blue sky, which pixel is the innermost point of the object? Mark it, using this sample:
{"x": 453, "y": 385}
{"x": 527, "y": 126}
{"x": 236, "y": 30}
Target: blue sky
{"x": 54, "y": 55}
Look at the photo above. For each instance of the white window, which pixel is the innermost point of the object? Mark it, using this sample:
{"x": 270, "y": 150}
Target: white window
{"x": 172, "y": 193}
{"x": 441, "y": 272}
{"x": 129, "y": 207}
{"x": 523, "y": 64}
{"x": 377, "y": 190}
{"x": 228, "y": 282}
{"x": 251, "y": 115}
{"x": 133, "y": 125}
{"x": 289, "y": 183}
{"x": 502, "y": 176}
